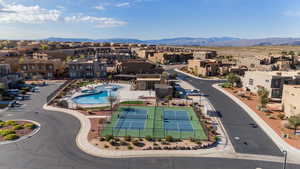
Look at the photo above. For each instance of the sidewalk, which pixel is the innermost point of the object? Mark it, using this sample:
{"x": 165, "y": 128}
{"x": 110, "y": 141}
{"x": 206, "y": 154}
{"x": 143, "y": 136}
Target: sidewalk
{"x": 293, "y": 153}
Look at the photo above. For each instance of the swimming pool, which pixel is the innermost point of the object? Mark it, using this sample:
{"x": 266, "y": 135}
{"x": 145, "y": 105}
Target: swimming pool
{"x": 98, "y": 96}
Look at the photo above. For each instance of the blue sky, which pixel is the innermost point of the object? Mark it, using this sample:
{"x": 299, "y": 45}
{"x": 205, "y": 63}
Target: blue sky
{"x": 148, "y": 19}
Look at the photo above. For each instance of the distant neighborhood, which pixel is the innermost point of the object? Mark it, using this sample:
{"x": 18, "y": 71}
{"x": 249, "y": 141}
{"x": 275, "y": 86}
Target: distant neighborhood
{"x": 35, "y": 60}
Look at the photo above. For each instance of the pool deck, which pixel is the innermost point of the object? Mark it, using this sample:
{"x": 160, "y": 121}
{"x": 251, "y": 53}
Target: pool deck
{"x": 124, "y": 94}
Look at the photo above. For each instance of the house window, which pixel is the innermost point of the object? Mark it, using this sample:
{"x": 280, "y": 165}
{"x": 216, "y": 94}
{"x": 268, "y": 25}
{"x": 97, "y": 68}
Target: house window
{"x": 276, "y": 93}
{"x": 24, "y": 67}
{"x": 251, "y": 81}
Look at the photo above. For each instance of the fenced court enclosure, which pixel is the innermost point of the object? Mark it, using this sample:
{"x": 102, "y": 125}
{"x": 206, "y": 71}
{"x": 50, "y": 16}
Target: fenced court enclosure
{"x": 157, "y": 122}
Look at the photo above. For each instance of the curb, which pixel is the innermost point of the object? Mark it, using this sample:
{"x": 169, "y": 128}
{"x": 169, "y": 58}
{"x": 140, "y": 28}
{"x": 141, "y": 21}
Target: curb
{"x": 281, "y": 144}
{"x": 35, "y": 131}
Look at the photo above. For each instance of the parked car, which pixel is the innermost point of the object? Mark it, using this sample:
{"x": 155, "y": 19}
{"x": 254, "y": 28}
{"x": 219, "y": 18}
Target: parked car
{"x": 35, "y": 89}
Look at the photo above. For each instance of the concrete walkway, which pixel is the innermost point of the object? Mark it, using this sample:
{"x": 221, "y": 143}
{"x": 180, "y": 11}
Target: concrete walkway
{"x": 293, "y": 153}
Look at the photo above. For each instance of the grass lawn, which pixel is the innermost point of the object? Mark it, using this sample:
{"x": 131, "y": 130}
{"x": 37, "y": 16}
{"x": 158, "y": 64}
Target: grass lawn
{"x": 96, "y": 108}
{"x": 2, "y": 106}
{"x": 131, "y": 102}
{"x": 154, "y": 125}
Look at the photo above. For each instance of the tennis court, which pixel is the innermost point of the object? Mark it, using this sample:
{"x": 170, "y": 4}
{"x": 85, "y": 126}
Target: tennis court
{"x": 131, "y": 118}
{"x": 177, "y": 120}
{"x": 158, "y": 122}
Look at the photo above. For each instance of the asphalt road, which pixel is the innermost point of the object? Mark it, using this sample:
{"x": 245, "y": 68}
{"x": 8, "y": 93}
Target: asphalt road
{"x": 54, "y": 147}
{"x": 243, "y": 136}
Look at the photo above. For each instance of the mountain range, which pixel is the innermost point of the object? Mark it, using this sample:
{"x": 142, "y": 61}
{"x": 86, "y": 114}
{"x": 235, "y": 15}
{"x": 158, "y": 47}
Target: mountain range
{"x": 187, "y": 41}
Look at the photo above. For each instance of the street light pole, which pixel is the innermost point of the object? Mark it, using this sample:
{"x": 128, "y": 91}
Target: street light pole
{"x": 285, "y": 157}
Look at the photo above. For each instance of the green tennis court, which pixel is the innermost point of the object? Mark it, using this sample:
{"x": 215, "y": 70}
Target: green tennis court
{"x": 158, "y": 122}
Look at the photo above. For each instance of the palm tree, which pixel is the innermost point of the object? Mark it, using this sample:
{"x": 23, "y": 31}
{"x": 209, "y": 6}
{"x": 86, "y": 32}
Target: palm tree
{"x": 294, "y": 122}
{"x": 112, "y": 100}
{"x": 168, "y": 98}
{"x": 263, "y": 97}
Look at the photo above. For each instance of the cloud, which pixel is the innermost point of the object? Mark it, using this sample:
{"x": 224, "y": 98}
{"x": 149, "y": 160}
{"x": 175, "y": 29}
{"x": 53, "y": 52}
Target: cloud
{"x": 16, "y": 13}
{"x": 123, "y": 4}
{"x": 101, "y": 22}
{"x": 292, "y": 13}
{"x": 100, "y": 7}
{"x": 62, "y": 8}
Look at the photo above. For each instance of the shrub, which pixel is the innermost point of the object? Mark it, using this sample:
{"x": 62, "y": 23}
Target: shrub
{"x": 198, "y": 142}
{"x": 11, "y": 137}
{"x": 226, "y": 85}
{"x": 113, "y": 143}
{"x": 136, "y": 142}
{"x": 123, "y": 143}
{"x": 6, "y": 132}
{"x": 10, "y": 123}
{"x": 192, "y": 139}
{"x": 148, "y": 138}
{"x": 164, "y": 143}
{"x": 2, "y": 124}
{"x": 169, "y": 138}
{"x": 271, "y": 117}
{"x": 281, "y": 116}
{"x": 109, "y": 137}
{"x": 30, "y": 126}
{"x": 217, "y": 138}
{"x": 17, "y": 127}
{"x": 263, "y": 97}
{"x": 177, "y": 140}
{"x": 159, "y": 139}
{"x": 129, "y": 147}
{"x": 127, "y": 138}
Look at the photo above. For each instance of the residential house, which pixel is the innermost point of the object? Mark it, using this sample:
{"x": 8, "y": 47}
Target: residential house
{"x": 4, "y": 69}
{"x": 41, "y": 69}
{"x": 202, "y": 55}
{"x": 291, "y": 100}
{"x": 40, "y": 56}
{"x": 134, "y": 66}
{"x": 170, "y": 57}
{"x": 207, "y": 67}
{"x": 143, "y": 52}
{"x": 272, "y": 81}
{"x": 83, "y": 68}
{"x": 148, "y": 81}
{"x": 7, "y": 78}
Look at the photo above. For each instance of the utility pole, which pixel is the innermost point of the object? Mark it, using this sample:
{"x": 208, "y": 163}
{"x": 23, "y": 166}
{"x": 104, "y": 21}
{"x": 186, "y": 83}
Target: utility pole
{"x": 285, "y": 157}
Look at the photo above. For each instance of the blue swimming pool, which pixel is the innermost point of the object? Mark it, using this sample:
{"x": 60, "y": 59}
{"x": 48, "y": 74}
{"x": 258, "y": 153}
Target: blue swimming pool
{"x": 98, "y": 96}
